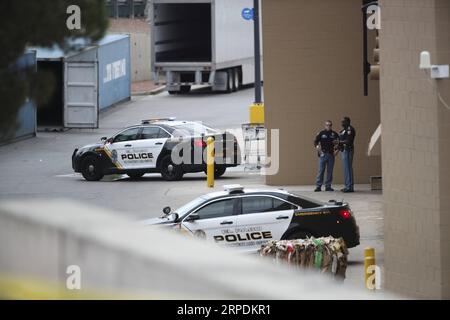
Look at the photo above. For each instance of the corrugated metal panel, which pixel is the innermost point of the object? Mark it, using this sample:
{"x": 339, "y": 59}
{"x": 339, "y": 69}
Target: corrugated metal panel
{"x": 27, "y": 120}
{"x": 80, "y": 95}
{"x": 232, "y": 35}
{"x": 110, "y": 57}
{"x": 26, "y": 117}
{"x": 114, "y": 70}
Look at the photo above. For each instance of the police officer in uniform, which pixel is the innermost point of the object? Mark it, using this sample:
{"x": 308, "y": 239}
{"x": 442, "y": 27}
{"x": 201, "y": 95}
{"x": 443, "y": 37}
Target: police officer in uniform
{"x": 347, "y": 148}
{"x": 326, "y": 143}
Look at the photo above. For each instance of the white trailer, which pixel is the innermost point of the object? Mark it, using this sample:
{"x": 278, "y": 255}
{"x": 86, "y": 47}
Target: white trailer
{"x": 202, "y": 42}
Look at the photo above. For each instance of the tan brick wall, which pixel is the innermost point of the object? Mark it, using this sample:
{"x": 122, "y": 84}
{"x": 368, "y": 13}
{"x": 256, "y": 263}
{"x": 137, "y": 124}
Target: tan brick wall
{"x": 313, "y": 72}
{"x": 443, "y": 57}
{"x": 139, "y": 31}
{"x": 415, "y": 152}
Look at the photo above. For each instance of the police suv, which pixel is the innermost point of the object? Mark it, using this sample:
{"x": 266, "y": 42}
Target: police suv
{"x": 247, "y": 219}
{"x": 164, "y": 146}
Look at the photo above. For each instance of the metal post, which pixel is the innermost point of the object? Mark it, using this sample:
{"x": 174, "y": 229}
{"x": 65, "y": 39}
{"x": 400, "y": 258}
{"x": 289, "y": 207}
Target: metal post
{"x": 210, "y": 157}
{"x": 131, "y": 4}
{"x": 258, "y": 96}
{"x": 257, "y": 108}
{"x": 369, "y": 260}
{"x": 115, "y": 4}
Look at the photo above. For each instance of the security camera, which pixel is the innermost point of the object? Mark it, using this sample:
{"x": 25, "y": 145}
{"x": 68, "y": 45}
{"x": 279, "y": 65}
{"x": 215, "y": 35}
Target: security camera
{"x": 436, "y": 71}
{"x": 425, "y": 60}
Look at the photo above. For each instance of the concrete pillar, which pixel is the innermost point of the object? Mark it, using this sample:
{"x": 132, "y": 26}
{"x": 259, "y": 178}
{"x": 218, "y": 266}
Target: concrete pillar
{"x": 415, "y": 148}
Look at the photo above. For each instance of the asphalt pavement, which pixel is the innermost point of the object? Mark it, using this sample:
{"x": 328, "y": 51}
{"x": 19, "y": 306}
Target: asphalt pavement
{"x": 40, "y": 168}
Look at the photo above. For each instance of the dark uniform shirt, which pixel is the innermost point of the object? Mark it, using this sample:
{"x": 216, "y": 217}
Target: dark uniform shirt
{"x": 326, "y": 140}
{"x": 347, "y": 138}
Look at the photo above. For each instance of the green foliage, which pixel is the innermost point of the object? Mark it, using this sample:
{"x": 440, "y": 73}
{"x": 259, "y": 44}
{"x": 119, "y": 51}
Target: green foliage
{"x": 38, "y": 23}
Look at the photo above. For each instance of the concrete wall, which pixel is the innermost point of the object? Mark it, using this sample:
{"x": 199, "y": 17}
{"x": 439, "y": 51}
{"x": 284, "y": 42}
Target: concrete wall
{"x": 119, "y": 258}
{"x": 415, "y": 152}
{"x": 139, "y": 31}
{"x": 313, "y": 72}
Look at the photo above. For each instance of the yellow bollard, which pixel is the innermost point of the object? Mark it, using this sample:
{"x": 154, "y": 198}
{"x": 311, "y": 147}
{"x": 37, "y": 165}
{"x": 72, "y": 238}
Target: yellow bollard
{"x": 257, "y": 113}
{"x": 369, "y": 260}
{"x": 210, "y": 162}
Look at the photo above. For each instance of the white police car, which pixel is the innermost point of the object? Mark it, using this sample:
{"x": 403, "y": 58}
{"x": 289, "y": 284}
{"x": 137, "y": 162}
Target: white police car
{"x": 164, "y": 146}
{"x": 247, "y": 218}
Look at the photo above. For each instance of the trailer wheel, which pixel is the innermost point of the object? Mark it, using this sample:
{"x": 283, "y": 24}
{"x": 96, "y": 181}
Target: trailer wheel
{"x": 230, "y": 81}
{"x": 185, "y": 89}
{"x": 236, "y": 80}
{"x": 171, "y": 92}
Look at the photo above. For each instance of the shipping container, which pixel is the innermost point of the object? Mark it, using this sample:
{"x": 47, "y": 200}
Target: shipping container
{"x": 25, "y": 125}
{"x": 87, "y": 80}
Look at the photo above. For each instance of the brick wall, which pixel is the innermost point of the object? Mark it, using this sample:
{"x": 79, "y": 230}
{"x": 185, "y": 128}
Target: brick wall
{"x": 415, "y": 153}
{"x": 312, "y": 73}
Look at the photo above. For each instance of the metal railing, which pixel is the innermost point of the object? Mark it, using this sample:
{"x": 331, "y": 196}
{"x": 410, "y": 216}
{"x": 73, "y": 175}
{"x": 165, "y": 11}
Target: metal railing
{"x": 126, "y": 8}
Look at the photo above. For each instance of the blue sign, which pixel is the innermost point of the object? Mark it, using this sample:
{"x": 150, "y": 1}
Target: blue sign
{"x": 247, "y": 14}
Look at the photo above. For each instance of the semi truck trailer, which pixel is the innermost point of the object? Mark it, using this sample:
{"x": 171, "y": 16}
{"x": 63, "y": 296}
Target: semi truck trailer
{"x": 202, "y": 42}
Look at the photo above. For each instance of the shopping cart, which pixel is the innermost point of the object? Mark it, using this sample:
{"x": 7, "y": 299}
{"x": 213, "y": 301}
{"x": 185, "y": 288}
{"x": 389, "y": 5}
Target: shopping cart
{"x": 254, "y": 146}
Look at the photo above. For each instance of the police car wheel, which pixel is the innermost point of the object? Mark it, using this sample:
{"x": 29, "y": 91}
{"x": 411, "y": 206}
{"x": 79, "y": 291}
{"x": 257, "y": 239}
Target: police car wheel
{"x": 218, "y": 172}
{"x": 91, "y": 169}
{"x": 299, "y": 235}
{"x": 170, "y": 171}
{"x": 135, "y": 176}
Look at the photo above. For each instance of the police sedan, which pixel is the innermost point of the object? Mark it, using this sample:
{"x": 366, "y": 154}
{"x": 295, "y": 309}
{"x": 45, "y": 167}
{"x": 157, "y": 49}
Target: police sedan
{"x": 166, "y": 146}
{"x": 248, "y": 218}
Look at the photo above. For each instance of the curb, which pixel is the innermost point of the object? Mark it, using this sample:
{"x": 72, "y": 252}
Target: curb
{"x": 150, "y": 93}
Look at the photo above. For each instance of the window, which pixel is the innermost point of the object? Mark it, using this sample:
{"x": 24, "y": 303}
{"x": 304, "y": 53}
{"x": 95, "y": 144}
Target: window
{"x": 192, "y": 129}
{"x": 150, "y": 133}
{"x": 279, "y": 205}
{"x": 154, "y": 133}
{"x": 263, "y": 204}
{"x": 217, "y": 209}
{"x": 163, "y": 134}
{"x": 304, "y": 203}
{"x": 127, "y": 135}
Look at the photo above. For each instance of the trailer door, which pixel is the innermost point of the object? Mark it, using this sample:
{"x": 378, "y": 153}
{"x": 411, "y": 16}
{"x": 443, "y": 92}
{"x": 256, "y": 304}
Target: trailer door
{"x": 80, "y": 95}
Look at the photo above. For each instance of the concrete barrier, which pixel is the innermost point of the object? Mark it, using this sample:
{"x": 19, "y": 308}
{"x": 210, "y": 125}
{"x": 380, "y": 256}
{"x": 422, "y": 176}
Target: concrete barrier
{"x": 120, "y": 258}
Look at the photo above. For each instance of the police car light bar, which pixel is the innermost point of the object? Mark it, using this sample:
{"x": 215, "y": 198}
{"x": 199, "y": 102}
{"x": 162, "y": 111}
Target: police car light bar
{"x": 234, "y": 188}
{"x": 158, "y": 119}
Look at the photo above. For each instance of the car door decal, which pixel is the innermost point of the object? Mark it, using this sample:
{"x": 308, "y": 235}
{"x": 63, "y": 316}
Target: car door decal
{"x": 215, "y": 226}
{"x": 112, "y": 155}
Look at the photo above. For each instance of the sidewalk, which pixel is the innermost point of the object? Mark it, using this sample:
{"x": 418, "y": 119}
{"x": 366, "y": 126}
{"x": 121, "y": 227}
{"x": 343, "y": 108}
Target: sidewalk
{"x": 366, "y": 206}
{"x": 142, "y": 88}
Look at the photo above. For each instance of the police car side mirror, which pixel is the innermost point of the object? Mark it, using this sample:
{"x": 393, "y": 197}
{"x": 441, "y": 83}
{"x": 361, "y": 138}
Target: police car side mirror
{"x": 167, "y": 210}
{"x": 104, "y": 139}
{"x": 193, "y": 217}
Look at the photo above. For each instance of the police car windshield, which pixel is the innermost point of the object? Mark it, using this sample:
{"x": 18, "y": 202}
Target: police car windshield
{"x": 189, "y": 206}
{"x": 192, "y": 129}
